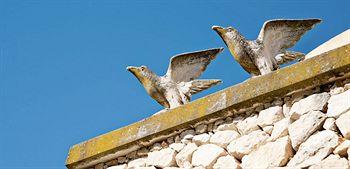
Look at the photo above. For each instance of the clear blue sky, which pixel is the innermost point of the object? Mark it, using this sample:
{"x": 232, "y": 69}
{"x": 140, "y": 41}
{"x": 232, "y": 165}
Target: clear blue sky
{"x": 62, "y": 64}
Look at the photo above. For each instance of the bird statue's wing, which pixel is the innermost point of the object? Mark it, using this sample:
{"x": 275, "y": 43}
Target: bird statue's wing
{"x": 189, "y": 66}
{"x": 278, "y": 35}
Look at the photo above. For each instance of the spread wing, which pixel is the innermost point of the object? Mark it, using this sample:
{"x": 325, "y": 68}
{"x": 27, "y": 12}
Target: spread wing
{"x": 278, "y": 35}
{"x": 189, "y": 66}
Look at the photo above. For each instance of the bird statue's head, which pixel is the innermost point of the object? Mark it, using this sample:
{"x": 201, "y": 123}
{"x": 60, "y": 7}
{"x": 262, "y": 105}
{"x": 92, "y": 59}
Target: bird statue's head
{"x": 228, "y": 32}
{"x": 230, "y": 36}
{"x": 142, "y": 73}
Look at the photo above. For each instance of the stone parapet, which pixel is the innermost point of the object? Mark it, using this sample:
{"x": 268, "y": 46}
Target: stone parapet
{"x": 242, "y": 100}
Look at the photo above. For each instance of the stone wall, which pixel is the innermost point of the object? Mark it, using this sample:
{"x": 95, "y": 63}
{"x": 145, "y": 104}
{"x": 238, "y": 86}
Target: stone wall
{"x": 307, "y": 129}
{"x": 295, "y": 117}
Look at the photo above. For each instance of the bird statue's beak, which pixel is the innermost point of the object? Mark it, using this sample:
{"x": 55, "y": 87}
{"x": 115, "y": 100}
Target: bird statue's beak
{"x": 131, "y": 69}
{"x": 218, "y": 29}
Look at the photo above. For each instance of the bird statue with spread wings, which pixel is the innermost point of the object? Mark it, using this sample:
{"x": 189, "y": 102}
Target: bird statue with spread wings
{"x": 269, "y": 50}
{"x": 179, "y": 83}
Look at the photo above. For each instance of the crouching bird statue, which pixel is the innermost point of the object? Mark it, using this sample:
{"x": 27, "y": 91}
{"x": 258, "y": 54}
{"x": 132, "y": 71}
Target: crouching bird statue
{"x": 179, "y": 83}
{"x": 268, "y": 51}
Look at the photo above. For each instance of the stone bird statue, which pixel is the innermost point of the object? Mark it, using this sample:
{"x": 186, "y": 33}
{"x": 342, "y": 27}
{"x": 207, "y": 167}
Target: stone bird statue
{"x": 179, "y": 83}
{"x": 268, "y": 51}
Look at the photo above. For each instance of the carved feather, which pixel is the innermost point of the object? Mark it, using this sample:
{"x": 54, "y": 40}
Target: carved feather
{"x": 202, "y": 84}
{"x": 278, "y": 35}
{"x": 189, "y": 66}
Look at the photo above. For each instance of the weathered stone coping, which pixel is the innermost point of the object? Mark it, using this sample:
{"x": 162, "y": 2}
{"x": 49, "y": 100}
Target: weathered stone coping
{"x": 340, "y": 40}
{"x": 313, "y": 72}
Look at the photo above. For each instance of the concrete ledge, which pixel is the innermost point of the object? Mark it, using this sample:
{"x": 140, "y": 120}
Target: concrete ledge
{"x": 315, "y": 71}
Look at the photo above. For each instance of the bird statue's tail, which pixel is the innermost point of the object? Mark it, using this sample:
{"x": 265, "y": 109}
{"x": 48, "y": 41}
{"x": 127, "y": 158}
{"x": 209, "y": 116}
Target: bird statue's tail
{"x": 200, "y": 85}
{"x": 289, "y": 56}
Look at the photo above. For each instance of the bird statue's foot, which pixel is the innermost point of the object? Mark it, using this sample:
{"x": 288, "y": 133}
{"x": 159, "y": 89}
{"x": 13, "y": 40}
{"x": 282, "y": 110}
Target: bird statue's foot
{"x": 301, "y": 57}
{"x": 253, "y": 75}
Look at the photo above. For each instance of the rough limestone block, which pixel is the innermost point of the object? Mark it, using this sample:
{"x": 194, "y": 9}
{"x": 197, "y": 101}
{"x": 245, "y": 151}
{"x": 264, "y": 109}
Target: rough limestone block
{"x": 223, "y": 138}
{"x": 329, "y": 124}
{"x": 268, "y": 129}
{"x": 162, "y": 158}
{"x": 202, "y": 128}
{"x": 237, "y": 119}
{"x": 219, "y": 122}
{"x": 99, "y": 166}
{"x": 177, "y": 146}
{"x": 314, "y": 149}
{"x": 313, "y": 102}
{"x": 152, "y": 167}
{"x": 332, "y": 162}
{"x": 201, "y": 139}
{"x": 286, "y": 109}
{"x": 226, "y": 162}
{"x": 307, "y": 124}
{"x": 347, "y": 86}
{"x": 122, "y": 159}
{"x": 124, "y": 166}
{"x": 295, "y": 97}
{"x": 111, "y": 163}
{"x": 230, "y": 126}
{"x": 342, "y": 148}
{"x": 186, "y": 140}
{"x": 280, "y": 129}
{"x": 248, "y": 125}
{"x": 142, "y": 152}
{"x": 206, "y": 155}
{"x": 184, "y": 157}
{"x": 277, "y": 102}
{"x": 284, "y": 168}
{"x": 337, "y": 90}
{"x": 343, "y": 123}
{"x": 156, "y": 147}
{"x": 269, "y": 116}
{"x": 132, "y": 155}
{"x": 338, "y": 104}
{"x": 199, "y": 167}
{"x": 187, "y": 134}
{"x": 170, "y": 140}
{"x": 272, "y": 154}
{"x": 139, "y": 162}
{"x": 247, "y": 143}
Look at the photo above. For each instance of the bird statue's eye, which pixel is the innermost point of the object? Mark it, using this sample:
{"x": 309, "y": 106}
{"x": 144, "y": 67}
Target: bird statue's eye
{"x": 143, "y": 68}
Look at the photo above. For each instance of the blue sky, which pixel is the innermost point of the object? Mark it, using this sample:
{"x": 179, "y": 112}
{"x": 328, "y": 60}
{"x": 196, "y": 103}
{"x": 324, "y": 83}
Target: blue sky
{"x": 62, "y": 63}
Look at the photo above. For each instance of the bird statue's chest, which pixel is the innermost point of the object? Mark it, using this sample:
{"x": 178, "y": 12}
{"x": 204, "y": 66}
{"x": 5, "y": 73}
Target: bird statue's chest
{"x": 246, "y": 55}
{"x": 158, "y": 89}
{"x": 244, "y": 52}
{"x": 241, "y": 50}
{"x": 152, "y": 90}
